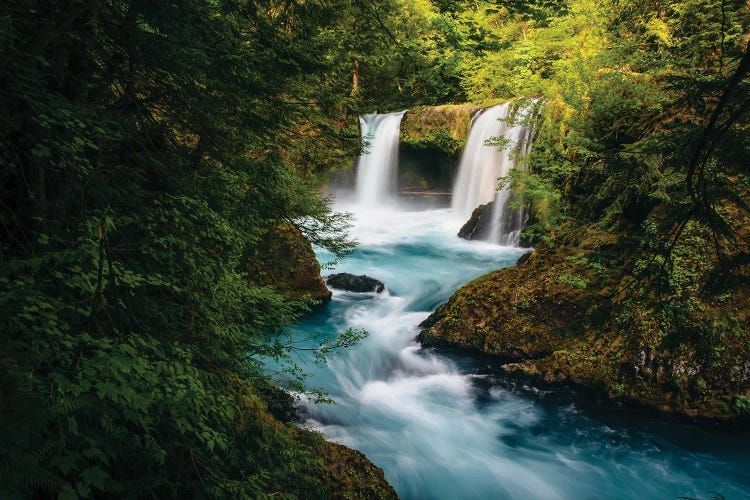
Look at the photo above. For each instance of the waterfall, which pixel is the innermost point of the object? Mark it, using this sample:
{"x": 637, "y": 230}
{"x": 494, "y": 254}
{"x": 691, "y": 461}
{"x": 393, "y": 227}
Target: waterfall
{"x": 377, "y": 168}
{"x": 508, "y": 222}
{"x": 481, "y": 165}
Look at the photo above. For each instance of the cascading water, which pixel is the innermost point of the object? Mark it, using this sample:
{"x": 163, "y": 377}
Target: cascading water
{"x": 507, "y": 221}
{"x": 437, "y": 427}
{"x": 377, "y": 168}
{"x": 482, "y": 164}
{"x": 440, "y": 430}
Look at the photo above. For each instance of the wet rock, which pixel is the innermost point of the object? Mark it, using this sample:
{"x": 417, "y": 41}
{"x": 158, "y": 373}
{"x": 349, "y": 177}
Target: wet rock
{"x": 511, "y": 222}
{"x": 355, "y": 283}
{"x": 479, "y": 224}
{"x": 280, "y": 403}
{"x": 523, "y": 258}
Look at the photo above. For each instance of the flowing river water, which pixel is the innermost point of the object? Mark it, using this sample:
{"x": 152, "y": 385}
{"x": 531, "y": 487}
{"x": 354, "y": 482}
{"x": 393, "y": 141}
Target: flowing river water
{"x": 441, "y": 429}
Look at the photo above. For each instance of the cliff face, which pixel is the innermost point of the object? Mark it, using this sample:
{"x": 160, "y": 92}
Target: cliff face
{"x": 564, "y": 316}
{"x": 432, "y": 138}
{"x": 285, "y": 260}
{"x": 439, "y": 127}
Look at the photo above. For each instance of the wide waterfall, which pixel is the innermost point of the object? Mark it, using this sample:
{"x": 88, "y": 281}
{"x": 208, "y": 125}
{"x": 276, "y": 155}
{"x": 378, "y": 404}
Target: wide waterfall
{"x": 482, "y": 164}
{"x": 378, "y": 166}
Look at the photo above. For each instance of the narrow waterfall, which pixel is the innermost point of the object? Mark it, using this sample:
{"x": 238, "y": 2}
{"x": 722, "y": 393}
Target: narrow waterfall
{"x": 377, "y": 168}
{"x": 481, "y": 165}
{"x": 508, "y": 222}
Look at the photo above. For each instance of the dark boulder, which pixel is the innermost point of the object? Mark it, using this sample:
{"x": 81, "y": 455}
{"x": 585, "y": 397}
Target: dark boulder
{"x": 512, "y": 220}
{"x": 523, "y": 258}
{"x": 279, "y": 402}
{"x": 479, "y": 224}
{"x": 354, "y": 283}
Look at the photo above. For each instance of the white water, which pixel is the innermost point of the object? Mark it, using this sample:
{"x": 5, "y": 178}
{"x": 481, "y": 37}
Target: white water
{"x": 508, "y": 222}
{"x": 378, "y": 166}
{"x": 438, "y": 428}
{"x": 481, "y": 165}
{"x": 441, "y": 431}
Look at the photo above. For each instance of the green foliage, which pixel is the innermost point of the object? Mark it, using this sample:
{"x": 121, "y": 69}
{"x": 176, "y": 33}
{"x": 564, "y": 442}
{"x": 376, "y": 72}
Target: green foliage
{"x": 342, "y": 342}
{"x": 589, "y": 263}
{"x": 410, "y": 65}
{"x": 742, "y": 405}
{"x": 639, "y": 163}
{"x": 146, "y": 149}
{"x": 539, "y": 194}
{"x": 573, "y": 280}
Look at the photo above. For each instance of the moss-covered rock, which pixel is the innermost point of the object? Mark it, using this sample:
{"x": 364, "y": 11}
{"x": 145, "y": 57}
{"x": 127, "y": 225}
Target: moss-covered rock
{"x": 351, "y": 475}
{"x": 568, "y": 315}
{"x": 301, "y": 463}
{"x": 285, "y": 260}
{"x": 432, "y": 138}
{"x": 440, "y": 127}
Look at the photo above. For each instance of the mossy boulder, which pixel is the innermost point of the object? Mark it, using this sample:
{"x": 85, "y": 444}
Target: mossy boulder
{"x": 285, "y": 259}
{"x": 568, "y": 315}
{"x": 351, "y": 475}
{"x": 322, "y": 469}
{"x": 438, "y": 127}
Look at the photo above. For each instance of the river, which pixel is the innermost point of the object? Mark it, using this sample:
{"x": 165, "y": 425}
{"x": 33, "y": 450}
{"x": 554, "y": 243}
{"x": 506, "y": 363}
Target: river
{"x": 442, "y": 428}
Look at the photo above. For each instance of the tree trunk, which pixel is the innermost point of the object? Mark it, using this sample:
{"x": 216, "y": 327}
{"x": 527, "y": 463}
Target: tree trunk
{"x": 355, "y": 78}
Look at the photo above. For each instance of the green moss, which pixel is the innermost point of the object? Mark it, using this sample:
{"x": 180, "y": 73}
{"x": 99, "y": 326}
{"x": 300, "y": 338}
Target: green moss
{"x": 573, "y": 280}
{"x": 571, "y": 314}
{"x": 286, "y": 261}
{"x": 349, "y": 474}
{"x": 444, "y": 128}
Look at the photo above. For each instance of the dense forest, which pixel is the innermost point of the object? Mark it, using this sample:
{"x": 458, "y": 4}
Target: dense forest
{"x": 157, "y": 157}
